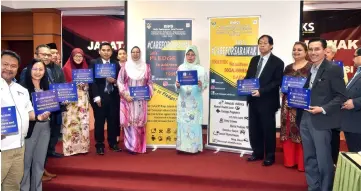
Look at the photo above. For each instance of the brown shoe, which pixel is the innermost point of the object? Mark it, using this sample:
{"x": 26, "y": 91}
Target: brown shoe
{"x": 48, "y": 174}
{"x": 45, "y": 178}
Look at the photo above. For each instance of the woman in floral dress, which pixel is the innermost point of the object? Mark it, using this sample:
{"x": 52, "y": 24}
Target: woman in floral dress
{"x": 75, "y": 126}
{"x": 190, "y": 105}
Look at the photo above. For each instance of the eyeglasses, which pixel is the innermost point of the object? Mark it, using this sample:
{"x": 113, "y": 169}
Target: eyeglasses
{"x": 78, "y": 56}
{"x": 135, "y": 52}
{"x": 9, "y": 66}
{"x": 45, "y": 55}
{"x": 37, "y": 69}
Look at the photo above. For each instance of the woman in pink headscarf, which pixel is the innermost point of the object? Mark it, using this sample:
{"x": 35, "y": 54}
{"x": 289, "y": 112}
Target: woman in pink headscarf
{"x": 75, "y": 125}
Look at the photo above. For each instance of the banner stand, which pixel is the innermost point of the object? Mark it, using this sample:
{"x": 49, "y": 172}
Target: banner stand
{"x": 166, "y": 41}
{"x": 242, "y": 152}
{"x": 155, "y": 147}
{"x": 233, "y": 43}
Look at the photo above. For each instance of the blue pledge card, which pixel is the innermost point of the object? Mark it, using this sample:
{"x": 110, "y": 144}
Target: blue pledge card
{"x": 189, "y": 77}
{"x": 9, "y": 123}
{"x": 139, "y": 92}
{"x": 339, "y": 63}
{"x": 246, "y": 86}
{"x": 299, "y": 98}
{"x": 294, "y": 82}
{"x": 45, "y": 101}
{"x": 82, "y": 75}
{"x": 66, "y": 91}
{"x": 105, "y": 70}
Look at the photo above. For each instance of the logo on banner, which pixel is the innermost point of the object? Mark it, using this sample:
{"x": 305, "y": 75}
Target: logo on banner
{"x": 149, "y": 25}
{"x": 308, "y": 28}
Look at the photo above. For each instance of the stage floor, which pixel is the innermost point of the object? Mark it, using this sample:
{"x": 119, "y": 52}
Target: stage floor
{"x": 166, "y": 170}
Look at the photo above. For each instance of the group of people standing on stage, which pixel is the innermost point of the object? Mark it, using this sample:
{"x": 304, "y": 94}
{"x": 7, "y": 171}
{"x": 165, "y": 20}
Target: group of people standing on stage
{"x": 25, "y": 153}
{"x": 310, "y": 137}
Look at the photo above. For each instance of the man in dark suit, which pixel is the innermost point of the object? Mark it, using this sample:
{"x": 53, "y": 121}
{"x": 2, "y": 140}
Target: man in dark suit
{"x": 351, "y": 114}
{"x": 264, "y": 103}
{"x": 104, "y": 97}
{"x": 327, "y": 94}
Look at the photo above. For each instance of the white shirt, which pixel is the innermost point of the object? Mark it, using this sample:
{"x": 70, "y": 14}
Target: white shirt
{"x": 98, "y": 97}
{"x": 265, "y": 59}
{"x": 16, "y": 95}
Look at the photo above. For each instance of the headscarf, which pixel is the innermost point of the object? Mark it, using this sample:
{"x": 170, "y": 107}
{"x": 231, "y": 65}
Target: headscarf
{"x": 136, "y": 69}
{"x": 70, "y": 64}
{"x": 196, "y": 65}
{"x": 195, "y": 50}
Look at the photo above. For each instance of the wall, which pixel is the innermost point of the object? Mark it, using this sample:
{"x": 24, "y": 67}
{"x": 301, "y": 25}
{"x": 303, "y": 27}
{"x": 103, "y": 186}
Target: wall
{"x": 280, "y": 19}
{"x": 22, "y": 30}
{"x": 41, "y": 26}
{"x": 61, "y": 4}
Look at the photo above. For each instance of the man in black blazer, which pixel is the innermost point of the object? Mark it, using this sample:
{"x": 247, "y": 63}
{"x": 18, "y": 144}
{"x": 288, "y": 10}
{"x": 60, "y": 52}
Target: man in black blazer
{"x": 104, "y": 98}
{"x": 327, "y": 95}
{"x": 351, "y": 114}
{"x": 264, "y": 103}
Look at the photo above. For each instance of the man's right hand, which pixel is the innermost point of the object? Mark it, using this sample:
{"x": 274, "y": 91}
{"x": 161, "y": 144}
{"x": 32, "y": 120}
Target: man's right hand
{"x": 177, "y": 84}
{"x": 99, "y": 103}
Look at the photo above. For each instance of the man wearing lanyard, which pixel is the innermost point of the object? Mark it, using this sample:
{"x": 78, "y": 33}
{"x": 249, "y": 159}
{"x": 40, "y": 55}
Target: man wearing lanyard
{"x": 104, "y": 98}
{"x": 12, "y": 145}
{"x": 351, "y": 113}
{"x": 328, "y": 92}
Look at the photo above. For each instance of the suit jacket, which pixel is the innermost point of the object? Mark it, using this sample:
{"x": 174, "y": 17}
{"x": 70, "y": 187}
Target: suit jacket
{"x": 270, "y": 81}
{"x": 329, "y": 92}
{"x": 98, "y": 85}
{"x": 351, "y": 119}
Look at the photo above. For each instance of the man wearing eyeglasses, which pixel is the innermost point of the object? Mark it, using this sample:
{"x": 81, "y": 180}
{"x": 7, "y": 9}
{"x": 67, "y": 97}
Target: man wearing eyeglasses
{"x": 55, "y": 75}
{"x": 42, "y": 52}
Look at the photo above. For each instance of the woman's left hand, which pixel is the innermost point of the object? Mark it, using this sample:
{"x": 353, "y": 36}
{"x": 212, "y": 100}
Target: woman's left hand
{"x": 66, "y": 102}
{"x": 199, "y": 83}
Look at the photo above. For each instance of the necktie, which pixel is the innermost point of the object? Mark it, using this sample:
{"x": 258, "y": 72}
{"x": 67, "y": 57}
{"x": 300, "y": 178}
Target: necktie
{"x": 108, "y": 86}
{"x": 354, "y": 76}
{"x": 259, "y": 67}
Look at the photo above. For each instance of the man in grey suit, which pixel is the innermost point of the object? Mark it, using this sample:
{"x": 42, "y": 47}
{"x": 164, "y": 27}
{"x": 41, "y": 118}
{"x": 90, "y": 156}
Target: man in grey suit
{"x": 327, "y": 95}
{"x": 351, "y": 115}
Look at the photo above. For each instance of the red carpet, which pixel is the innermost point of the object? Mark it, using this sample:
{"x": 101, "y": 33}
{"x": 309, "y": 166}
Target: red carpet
{"x": 166, "y": 170}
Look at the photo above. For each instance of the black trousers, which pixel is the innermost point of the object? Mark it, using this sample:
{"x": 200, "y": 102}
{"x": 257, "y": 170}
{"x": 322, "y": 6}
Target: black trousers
{"x": 55, "y": 125}
{"x": 335, "y": 144}
{"x": 107, "y": 112}
{"x": 262, "y": 131}
{"x": 353, "y": 141}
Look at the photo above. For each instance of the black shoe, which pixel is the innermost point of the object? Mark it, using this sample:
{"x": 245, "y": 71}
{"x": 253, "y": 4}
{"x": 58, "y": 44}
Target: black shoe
{"x": 254, "y": 158}
{"x": 55, "y": 154}
{"x": 100, "y": 151}
{"x": 115, "y": 148}
{"x": 268, "y": 162}
{"x": 131, "y": 152}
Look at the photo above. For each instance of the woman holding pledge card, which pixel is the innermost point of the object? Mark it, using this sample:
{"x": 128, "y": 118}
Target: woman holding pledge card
{"x": 290, "y": 135}
{"x": 75, "y": 125}
{"x": 133, "y": 112}
{"x": 37, "y": 139}
{"x": 190, "y": 104}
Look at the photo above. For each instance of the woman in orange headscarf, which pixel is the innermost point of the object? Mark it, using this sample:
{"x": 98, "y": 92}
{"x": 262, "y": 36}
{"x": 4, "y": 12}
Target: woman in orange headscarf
{"x": 75, "y": 125}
